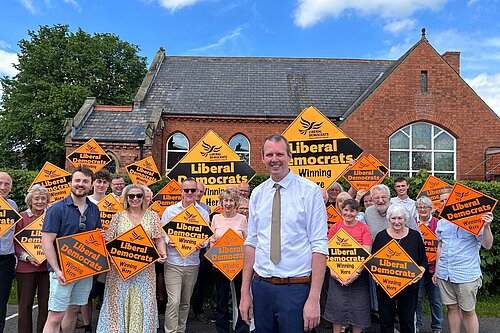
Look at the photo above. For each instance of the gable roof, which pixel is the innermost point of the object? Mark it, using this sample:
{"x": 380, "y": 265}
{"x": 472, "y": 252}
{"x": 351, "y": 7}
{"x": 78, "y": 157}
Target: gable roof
{"x": 259, "y": 87}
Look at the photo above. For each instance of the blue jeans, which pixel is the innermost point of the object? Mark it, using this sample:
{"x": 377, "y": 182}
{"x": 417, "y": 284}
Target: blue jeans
{"x": 434, "y": 302}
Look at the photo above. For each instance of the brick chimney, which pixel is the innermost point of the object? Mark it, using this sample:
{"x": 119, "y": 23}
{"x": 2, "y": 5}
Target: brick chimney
{"x": 453, "y": 59}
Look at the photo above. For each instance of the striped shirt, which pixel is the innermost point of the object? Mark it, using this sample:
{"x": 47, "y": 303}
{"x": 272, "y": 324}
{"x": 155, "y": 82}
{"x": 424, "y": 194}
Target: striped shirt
{"x": 459, "y": 261}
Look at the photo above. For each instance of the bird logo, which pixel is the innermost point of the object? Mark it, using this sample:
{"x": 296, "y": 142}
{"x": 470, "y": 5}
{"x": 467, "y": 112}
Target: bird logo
{"x": 108, "y": 205}
{"x": 363, "y": 165}
{"x": 460, "y": 195}
{"x": 209, "y": 149}
{"x": 92, "y": 241}
{"x": 433, "y": 184}
{"x": 147, "y": 165}
{"x": 51, "y": 173}
{"x": 341, "y": 241}
{"x": 308, "y": 126}
{"x": 391, "y": 253}
{"x": 135, "y": 237}
{"x": 91, "y": 149}
{"x": 189, "y": 216}
{"x": 228, "y": 241}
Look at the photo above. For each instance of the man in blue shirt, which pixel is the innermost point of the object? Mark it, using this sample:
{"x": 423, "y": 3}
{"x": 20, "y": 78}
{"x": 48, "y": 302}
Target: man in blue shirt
{"x": 286, "y": 247}
{"x": 70, "y": 216}
{"x": 458, "y": 271}
{"x": 7, "y": 257}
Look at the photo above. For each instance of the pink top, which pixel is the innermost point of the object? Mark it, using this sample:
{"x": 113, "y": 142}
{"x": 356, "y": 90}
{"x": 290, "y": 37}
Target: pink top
{"x": 221, "y": 224}
{"x": 22, "y": 266}
{"x": 360, "y": 232}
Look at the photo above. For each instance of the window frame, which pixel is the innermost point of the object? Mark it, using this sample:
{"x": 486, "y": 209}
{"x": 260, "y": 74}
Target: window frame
{"x": 167, "y": 150}
{"x": 247, "y": 153}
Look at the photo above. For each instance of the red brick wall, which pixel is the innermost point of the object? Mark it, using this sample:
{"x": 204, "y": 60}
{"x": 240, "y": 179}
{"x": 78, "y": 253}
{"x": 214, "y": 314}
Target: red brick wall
{"x": 449, "y": 103}
{"x": 194, "y": 128}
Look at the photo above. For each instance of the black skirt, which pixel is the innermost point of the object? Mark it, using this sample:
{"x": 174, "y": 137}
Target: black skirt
{"x": 349, "y": 305}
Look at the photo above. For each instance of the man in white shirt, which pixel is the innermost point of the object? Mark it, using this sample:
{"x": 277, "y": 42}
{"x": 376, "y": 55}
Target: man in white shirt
{"x": 401, "y": 186}
{"x": 286, "y": 247}
{"x": 180, "y": 273}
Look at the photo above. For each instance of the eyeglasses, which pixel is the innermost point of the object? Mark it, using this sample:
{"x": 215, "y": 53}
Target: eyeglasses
{"x": 192, "y": 190}
{"x": 383, "y": 197}
{"x": 133, "y": 196}
{"x": 81, "y": 225}
{"x": 243, "y": 208}
{"x": 423, "y": 207}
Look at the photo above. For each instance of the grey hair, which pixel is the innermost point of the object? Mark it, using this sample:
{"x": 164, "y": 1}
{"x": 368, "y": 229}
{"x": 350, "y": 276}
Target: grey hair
{"x": 381, "y": 188}
{"x": 397, "y": 211}
{"x": 33, "y": 190}
{"x": 424, "y": 200}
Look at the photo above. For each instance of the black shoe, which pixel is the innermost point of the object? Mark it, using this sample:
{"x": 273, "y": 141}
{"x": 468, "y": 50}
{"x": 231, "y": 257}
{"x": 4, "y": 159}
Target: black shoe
{"x": 201, "y": 318}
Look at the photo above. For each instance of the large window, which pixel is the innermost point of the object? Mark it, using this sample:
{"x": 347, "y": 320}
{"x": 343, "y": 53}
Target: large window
{"x": 240, "y": 144}
{"x": 422, "y": 146}
{"x": 177, "y": 147}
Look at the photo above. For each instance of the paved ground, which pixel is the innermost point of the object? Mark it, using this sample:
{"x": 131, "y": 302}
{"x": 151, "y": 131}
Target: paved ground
{"x": 487, "y": 325}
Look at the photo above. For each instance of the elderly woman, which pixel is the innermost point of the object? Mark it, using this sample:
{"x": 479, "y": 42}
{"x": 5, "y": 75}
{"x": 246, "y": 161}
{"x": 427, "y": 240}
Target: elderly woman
{"x": 349, "y": 303}
{"x": 130, "y": 306}
{"x": 406, "y": 300}
{"x": 230, "y": 218}
{"x": 32, "y": 275}
{"x": 423, "y": 206}
{"x": 243, "y": 207}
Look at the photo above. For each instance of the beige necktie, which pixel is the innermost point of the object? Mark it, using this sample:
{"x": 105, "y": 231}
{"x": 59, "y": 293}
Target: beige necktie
{"x": 276, "y": 226}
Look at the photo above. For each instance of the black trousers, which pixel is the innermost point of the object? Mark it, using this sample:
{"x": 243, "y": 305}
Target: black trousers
{"x": 404, "y": 304}
{"x": 204, "y": 279}
{"x": 222, "y": 287}
{"x": 7, "y": 265}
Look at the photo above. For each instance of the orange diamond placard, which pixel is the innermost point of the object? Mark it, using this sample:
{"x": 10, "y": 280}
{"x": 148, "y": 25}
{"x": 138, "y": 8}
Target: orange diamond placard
{"x": 332, "y": 216}
{"x": 8, "y": 216}
{"x": 169, "y": 195}
{"x": 433, "y": 187}
{"x": 365, "y": 173}
{"x": 144, "y": 172}
{"x": 55, "y": 180}
{"x": 187, "y": 229}
{"x": 212, "y": 162}
{"x": 227, "y": 254}
{"x": 345, "y": 255}
{"x": 430, "y": 242}
{"x": 132, "y": 252}
{"x": 108, "y": 207}
{"x": 89, "y": 155}
{"x": 465, "y": 207}
{"x": 30, "y": 238}
{"x": 82, "y": 255}
{"x": 321, "y": 152}
{"x": 393, "y": 268}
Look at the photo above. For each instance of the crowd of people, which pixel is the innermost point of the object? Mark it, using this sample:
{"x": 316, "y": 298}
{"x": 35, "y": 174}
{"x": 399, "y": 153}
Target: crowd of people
{"x": 284, "y": 225}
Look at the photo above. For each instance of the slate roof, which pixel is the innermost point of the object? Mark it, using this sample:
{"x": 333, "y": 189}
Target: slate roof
{"x": 257, "y": 87}
{"x": 240, "y": 87}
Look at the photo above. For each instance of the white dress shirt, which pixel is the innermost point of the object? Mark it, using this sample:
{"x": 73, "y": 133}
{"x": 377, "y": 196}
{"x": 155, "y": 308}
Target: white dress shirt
{"x": 408, "y": 203}
{"x": 174, "y": 258}
{"x": 303, "y": 226}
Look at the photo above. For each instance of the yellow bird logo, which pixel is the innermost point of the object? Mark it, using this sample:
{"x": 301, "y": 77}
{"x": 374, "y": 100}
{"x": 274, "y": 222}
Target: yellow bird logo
{"x": 308, "y": 126}
{"x": 209, "y": 149}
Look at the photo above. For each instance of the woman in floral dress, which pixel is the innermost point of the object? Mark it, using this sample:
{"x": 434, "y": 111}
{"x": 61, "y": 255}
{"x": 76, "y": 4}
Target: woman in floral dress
{"x": 130, "y": 306}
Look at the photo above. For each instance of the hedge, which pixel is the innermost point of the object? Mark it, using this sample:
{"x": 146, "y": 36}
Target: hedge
{"x": 490, "y": 260}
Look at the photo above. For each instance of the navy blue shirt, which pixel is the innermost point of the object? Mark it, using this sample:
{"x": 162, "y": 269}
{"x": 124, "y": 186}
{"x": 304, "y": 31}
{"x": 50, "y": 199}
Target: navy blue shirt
{"x": 63, "y": 219}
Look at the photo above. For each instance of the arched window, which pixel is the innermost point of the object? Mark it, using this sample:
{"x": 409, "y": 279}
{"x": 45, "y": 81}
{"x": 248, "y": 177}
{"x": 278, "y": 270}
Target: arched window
{"x": 240, "y": 144}
{"x": 422, "y": 146}
{"x": 114, "y": 165}
{"x": 177, "y": 147}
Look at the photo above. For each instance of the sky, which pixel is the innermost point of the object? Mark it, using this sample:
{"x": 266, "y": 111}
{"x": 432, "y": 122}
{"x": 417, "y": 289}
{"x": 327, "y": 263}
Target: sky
{"x": 353, "y": 29}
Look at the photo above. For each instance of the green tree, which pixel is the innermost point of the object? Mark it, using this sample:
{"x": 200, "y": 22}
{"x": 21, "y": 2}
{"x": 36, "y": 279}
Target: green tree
{"x": 58, "y": 69}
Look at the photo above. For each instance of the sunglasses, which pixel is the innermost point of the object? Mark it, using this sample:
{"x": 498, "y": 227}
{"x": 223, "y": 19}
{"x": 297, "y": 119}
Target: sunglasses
{"x": 133, "y": 196}
{"x": 81, "y": 225}
{"x": 192, "y": 190}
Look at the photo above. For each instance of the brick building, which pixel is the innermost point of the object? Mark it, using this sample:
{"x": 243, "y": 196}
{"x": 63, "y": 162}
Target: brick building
{"x": 413, "y": 113}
